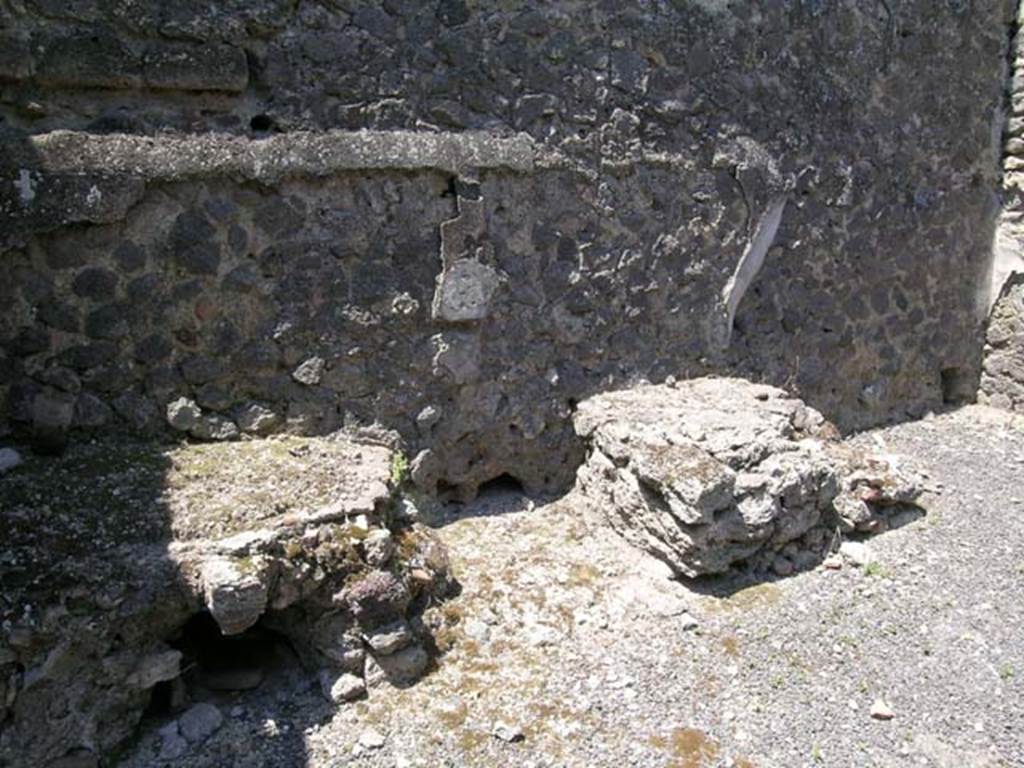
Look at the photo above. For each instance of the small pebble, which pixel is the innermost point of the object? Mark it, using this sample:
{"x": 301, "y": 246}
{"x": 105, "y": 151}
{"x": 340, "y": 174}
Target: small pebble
{"x": 880, "y": 710}
{"x": 857, "y": 552}
{"x": 507, "y": 732}
{"x": 372, "y": 739}
{"x": 270, "y": 728}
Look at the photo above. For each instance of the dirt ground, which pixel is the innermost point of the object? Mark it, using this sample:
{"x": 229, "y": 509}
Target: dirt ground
{"x": 566, "y": 647}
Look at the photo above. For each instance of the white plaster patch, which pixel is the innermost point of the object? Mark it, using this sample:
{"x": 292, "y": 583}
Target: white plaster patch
{"x": 1007, "y": 259}
{"x": 748, "y": 267}
{"x": 464, "y": 291}
{"x": 25, "y": 186}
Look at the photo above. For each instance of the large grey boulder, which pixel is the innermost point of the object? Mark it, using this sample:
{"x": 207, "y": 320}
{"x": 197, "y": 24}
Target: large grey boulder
{"x": 711, "y": 472}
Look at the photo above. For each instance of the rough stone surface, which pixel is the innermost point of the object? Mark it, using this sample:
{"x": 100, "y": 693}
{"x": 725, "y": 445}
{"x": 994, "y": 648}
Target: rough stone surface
{"x": 454, "y": 220}
{"x": 399, "y": 669}
{"x": 199, "y": 722}
{"x": 183, "y": 414}
{"x": 491, "y": 211}
{"x": 343, "y": 687}
{"x": 235, "y": 592}
{"x": 173, "y": 745}
{"x": 1002, "y": 378}
{"x": 389, "y": 638}
{"x": 1008, "y": 247}
{"x": 711, "y": 472}
{"x": 257, "y": 419}
{"x": 155, "y": 668}
{"x": 111, "y": 549}
{"x": 464, "y": 292}
{"x": 309, "y": 372}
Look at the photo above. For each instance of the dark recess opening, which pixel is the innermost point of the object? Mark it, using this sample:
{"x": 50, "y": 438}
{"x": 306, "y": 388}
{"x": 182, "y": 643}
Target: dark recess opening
{"x": 161, "y": 699}
{"x": 447, "y": 491}
{"x": 957, "y": 387}
{"x": 501, "y": 485}
{"x": 213, "y": 664}
{"x": 229, "y": 662}
{"x": 261, "y": 122}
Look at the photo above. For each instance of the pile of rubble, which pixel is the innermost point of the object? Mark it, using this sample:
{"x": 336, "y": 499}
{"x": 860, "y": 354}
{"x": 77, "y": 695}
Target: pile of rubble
{"x": 711, "y": 472}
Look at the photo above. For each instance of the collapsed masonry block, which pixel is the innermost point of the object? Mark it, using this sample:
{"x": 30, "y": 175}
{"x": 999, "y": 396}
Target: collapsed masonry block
{"x": 111, "y": 550}
{"x": 712, "y": 472}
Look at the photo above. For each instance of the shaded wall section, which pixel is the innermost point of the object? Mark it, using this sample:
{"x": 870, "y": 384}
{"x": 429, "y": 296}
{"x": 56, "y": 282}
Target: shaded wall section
{"x": 456, "y": 219}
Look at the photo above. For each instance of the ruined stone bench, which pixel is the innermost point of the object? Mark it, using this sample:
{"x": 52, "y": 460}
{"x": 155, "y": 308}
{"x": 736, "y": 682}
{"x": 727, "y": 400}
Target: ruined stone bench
{"x": 111, "y": 549}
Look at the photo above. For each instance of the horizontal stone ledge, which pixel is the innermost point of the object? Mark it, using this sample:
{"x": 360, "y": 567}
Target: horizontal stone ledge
{"x": 172, "y": 158}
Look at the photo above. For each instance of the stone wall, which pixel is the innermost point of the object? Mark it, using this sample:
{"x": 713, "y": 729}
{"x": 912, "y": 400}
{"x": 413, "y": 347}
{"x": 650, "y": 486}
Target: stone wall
{"x": 1002, "y": 378}
{"x": 458, "y": 219}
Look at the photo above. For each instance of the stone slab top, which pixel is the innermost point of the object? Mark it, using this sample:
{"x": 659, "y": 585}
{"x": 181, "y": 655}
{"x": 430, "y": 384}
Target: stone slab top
{"x": 739, "y": 421}
{"x": 107, "y": 497}
{"x": 268, "y": 160}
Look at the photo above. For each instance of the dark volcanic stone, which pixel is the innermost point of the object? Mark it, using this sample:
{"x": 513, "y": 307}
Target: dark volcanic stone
{"x": 30, "y": 340}
{"x": 95, "y": 283}
{"x": 107, "y": 322}
{"x": 85, "y": 356}
{"x": 198, "y": 369}
{"x": 153, "y": 349}
{"x": 130, "y": 257}
{"x": 59, "y": 315}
